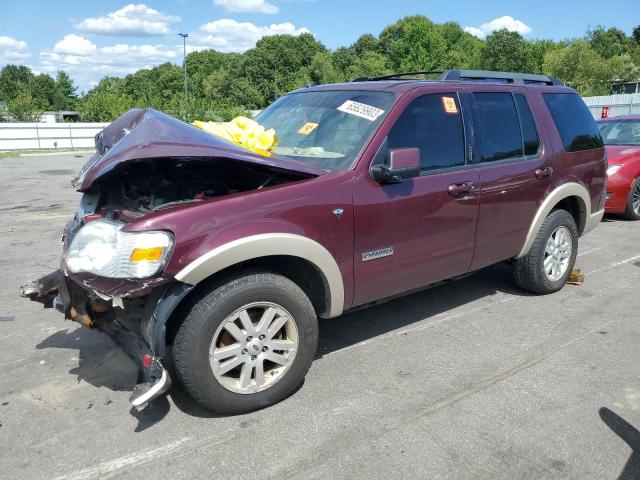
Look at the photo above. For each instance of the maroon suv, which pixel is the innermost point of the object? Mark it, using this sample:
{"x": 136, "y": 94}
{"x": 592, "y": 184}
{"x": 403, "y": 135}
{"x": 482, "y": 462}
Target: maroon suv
{"x": 186, "y": 246}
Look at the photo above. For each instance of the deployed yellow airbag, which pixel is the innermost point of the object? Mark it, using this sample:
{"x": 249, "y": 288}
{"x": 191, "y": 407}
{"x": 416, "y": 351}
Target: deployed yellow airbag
{"x": 243, "y": 131}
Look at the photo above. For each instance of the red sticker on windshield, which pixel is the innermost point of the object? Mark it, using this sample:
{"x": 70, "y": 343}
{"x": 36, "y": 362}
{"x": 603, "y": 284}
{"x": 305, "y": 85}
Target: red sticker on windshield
{"x": 449, "y": 104}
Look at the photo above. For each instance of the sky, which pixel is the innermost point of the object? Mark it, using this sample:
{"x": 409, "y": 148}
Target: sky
{"x": 90, "y": 39}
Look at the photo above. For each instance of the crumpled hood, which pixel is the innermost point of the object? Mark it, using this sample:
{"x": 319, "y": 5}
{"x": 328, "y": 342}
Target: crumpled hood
{"x": 140, "y": 134}
{"x": 621, "y": 153}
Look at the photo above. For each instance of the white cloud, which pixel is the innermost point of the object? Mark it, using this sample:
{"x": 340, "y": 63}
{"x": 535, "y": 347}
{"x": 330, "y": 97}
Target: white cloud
{"x": 12, "y": 50}
{"x": 506, "y": 21}
{"x": 226, "y": 35}
{"x": 137, "y": 20}
{"x": 250, "y": 6}
{"x": 86, "y": 62}
{"x": 74, "y": 45}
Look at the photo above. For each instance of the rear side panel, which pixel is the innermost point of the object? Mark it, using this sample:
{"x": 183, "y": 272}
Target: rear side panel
{"x": 585, "y": 167}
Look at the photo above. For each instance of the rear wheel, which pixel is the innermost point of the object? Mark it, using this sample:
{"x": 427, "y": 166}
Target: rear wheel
{"x": 632, "y": 212}
{"x": 246, "y": 344}
{"x": 547, "y": 266}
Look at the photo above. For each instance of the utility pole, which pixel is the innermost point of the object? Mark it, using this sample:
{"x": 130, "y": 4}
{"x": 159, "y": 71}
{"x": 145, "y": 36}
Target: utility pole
{"x": 184, "y": 68}
{"x": 275, "y": 81}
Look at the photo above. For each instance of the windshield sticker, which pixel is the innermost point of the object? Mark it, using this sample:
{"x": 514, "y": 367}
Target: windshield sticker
{"x": 307, "y": 128}
{"x": 361, "y": 110}
{"x": 449, "y": 105}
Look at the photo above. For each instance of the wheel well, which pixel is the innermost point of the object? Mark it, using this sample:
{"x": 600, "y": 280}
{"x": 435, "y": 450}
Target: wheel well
{"x": 576, "y": 207}
{"x": 300, "y": 271}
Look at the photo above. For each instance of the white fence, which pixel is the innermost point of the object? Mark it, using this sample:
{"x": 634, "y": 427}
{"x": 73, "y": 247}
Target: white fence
{"x": 36, "y": 136}
{"x": 622, "y": 104}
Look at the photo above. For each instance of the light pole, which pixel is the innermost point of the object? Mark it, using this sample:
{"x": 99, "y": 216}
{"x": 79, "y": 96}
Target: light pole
{"x": 184, "y": 68}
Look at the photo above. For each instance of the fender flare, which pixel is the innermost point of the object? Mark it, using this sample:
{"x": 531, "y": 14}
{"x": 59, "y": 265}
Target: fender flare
{"x": 269, "y": 244}
{"x": 560, "y": 193}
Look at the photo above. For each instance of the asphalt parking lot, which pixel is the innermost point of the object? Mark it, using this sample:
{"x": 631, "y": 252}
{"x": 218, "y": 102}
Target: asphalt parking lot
{"x": 474, "y": 379}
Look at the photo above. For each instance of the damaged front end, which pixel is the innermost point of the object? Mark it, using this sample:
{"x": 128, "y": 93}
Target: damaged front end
{"x": 120, "y": 280}
{"x": 130, "y": 325}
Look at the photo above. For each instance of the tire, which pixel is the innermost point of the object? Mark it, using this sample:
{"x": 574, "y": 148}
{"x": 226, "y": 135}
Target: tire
{"x": 632, "y": 212}
{"x": 529, "y": 271}
{"x": 212, "y": 316}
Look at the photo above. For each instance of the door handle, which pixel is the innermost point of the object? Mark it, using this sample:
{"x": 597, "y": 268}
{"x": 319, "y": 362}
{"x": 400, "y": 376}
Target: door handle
{"x": 460, "y": 189}
{"x": 544, "y": 172}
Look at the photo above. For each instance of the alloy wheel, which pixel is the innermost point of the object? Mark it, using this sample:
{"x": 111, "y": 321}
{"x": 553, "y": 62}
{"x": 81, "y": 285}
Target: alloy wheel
{"x": 253, "y": 347}
{"x": 557, "y": 253}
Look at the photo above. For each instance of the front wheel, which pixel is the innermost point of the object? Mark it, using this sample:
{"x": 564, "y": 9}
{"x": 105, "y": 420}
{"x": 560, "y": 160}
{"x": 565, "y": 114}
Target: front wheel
{"x": 547, "y": 266}
{"x": 246, "y": 344}
{"x": 632, "y": 212}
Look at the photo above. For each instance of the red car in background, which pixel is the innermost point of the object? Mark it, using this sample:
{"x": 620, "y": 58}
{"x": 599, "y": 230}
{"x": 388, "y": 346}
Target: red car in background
{"x": 621, "y": 136}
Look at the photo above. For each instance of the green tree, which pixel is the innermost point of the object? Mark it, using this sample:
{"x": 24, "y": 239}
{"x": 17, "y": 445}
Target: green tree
{"x": 322, "y": 69}
{"x": 369, "y": 64}
{"x": 507, "y": 51}
{"x": 14, "y": 79}
{"x": 636, "y": 35}
{"x": 608, "y": 42}
{"x": 414, "y": 43}
{"x": 65, "y": 92}
{"x": 279, "y": 63}
{"x": 44, "y": 91}
{"x": 103, "y": 106}
{"x": 581, "y": 67}
{"x": 23, "y": 108}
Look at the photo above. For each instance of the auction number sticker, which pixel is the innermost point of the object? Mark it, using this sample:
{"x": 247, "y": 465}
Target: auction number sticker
{"x": 449, "y": 105}
{"x": 361, "y": 110}
{"x": 307, "y": 128}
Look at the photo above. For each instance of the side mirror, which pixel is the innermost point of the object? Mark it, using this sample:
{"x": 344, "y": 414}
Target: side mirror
{"x": 404, "y": 163}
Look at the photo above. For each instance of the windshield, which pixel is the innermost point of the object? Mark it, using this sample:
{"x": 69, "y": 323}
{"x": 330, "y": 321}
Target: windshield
{"x": 325, "y": 129}
{"x": 621, "y": 132}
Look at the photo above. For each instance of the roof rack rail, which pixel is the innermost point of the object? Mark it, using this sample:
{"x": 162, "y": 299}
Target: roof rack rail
{"x": 508, "y": 77}
{"x": 473, "y": 75}
{"x": 397, "y": 75}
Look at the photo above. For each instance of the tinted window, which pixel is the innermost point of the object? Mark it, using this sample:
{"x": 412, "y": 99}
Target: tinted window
{"x": 500, "y": 126}
{"x": 575, "y": 123}
{"x": 433, "y": 123}
{"x": 528, "y": 126}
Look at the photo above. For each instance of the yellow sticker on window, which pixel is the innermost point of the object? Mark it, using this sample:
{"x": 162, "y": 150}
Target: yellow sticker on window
{"x": 449, "y": 105}
{"x": 307, "y": 128}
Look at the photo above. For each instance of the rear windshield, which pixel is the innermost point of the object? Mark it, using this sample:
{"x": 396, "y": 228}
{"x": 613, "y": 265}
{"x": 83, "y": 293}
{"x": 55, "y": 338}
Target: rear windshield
{"x": 574, "y": 121}
{"x": 325, "y": 129}
{"x": 620, "y": 132}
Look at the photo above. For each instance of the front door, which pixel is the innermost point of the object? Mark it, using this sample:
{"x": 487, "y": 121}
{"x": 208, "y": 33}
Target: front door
{"x": 422, "y": 230}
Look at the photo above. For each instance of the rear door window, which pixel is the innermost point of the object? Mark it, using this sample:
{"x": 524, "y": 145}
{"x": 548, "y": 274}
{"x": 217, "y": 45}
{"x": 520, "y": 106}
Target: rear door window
{"x": 575, "y": 124}
{"x": 501, "y": 135}
{"x": 433, "y": 123}
{"x": 530, "y": 137}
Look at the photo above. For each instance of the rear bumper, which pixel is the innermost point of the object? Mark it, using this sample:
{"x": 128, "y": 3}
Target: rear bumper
{"x": 137, "y": 327}
{"x": 593, "y": 221}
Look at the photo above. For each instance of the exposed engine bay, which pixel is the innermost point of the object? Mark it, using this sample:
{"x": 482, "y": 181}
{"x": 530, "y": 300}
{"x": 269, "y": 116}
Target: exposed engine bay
{"x": 137, "y": 188}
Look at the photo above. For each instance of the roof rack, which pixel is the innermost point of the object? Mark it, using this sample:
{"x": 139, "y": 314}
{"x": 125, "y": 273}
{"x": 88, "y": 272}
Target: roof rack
{"x": 507, "y": 77}
{"x": 473, "y": 75}
{"x": 397, "y": 75}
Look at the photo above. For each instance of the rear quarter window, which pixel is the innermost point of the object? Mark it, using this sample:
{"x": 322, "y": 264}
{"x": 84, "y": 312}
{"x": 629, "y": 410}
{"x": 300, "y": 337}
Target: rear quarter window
{"x": 577, "y": 128}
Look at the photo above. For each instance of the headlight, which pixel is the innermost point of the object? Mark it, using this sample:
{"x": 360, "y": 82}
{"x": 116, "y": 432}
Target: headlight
{"x": 101, "y": 248}
{"x": 613, "y": 168}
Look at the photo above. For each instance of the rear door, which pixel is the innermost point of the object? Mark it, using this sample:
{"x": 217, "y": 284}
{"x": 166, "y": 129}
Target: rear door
{"x": 422, "y": 230}
{"x": 516, "y": 171}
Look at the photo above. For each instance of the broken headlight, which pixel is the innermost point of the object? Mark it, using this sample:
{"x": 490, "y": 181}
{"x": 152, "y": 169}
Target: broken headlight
{"x": 100, "y": 247}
